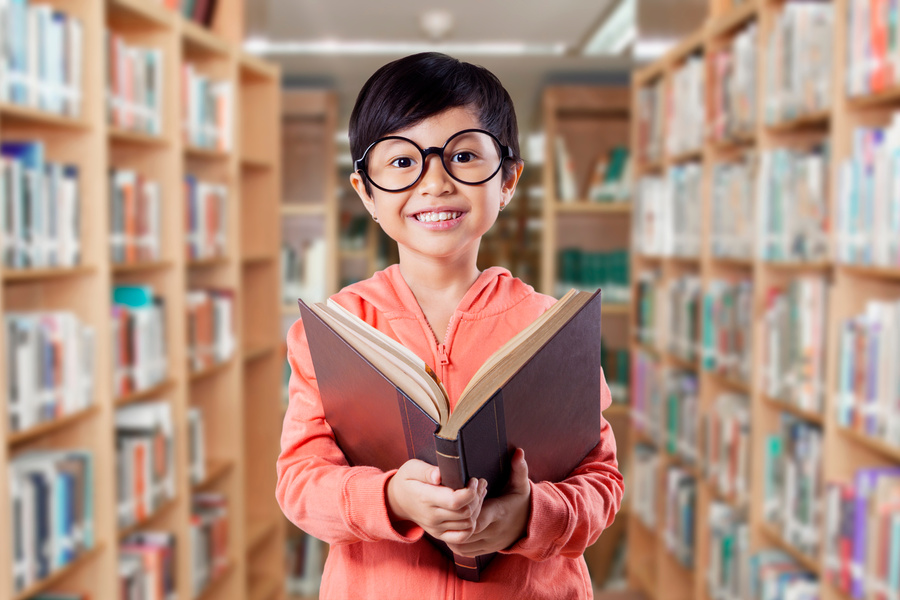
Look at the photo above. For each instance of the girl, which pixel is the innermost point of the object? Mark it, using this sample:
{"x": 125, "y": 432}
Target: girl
{"x": 436, "y": 148}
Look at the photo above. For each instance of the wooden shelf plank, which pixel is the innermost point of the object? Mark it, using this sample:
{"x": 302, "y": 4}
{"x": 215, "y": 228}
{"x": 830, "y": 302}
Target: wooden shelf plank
{"x": 734, "y": 19}
{"x": 15, "y": 276}
{"x": 617, "y": 308}
{"x": 734, "y": 263}
{"x": 617, "y": 410}
{"x": 214, "y": 583}
{"x": 806, "y": 415}
{"x": 681, "y": 363}
{"x": 360, "y": 254}
{"x": 875, "y": 445}
{"x": 736, "y": 144}
{"x": 54, "y": 578}
{"x": 587, "y": 207}
{"x": 150, "y": 393}
{"x": 141, "y": 267}
{"x": 256, "y": 351}
{"x": 263, "y": 588}
{"x": 208, "y": 263}
{"x": 19, "y": 438}
{"x": 258, "y": 531}
{"x": 198, "y": 39}
{"x": 250, "y": 260}
{"x": 884, "y": 273}
{"x": 804, "y": 122}
{"x": 149, "y": 519}
{"x": 735, "y": 384}
{"x": 692, "y": 262}
{"x": 303, "y": 209}
{"x": 25, "y": 115}
{"x": 140, "y": 12}
{"x": 216, "y": 469}
{"x": 885, "y": 97}
{"x": 254, "y": 68}
{"x": 805, "y": 561}
{"x": 256, "y": 163}
{"x": 210, "y": 371}
{"x": 137, "y": 138}
{"x": 685, "y": 157}
{"x": 210, "y": 154}
{"x": 798, "y": 266}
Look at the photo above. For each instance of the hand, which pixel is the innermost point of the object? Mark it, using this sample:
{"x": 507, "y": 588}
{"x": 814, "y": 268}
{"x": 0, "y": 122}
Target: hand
{"x": 415, "y": 494}
{"x": 503, "y": 520}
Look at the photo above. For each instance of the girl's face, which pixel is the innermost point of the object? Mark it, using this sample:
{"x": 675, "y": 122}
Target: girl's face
{"x": 411, "y": 217}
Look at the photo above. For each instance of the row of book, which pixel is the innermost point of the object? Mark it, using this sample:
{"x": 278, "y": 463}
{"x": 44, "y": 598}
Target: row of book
{"x": 733, "y": 195}
{"x": 305, "y": 559}
{"x": 650, "y": 115}
{"x": 52, "y": 502}
{"x": 727, "y": 326}
{"x": 798, "y": 62}
{"x": 41, "y": 58}
{"x": 303, "y": 265}
{"x": 49, "y": 365}
{"x": 200, "y": 11}
{"x": 794, "y": 343}
{"x": 868, "y": 387}
{"x": 134, "y": 85}
{"x": 210, "y": 331}
{"x": 208, "y": 110}
{"x": 680, "y": 507}
{"x": 775, "y": 575}
{"x": 665, "y": 210}
{"x": 862, "y": 533}
{"x": 145, "y": 460}
{"x": 610, "y": 179}
{"x": 647, "y": 406}
{"x": 679, "y": 413}
{"x": 147, "y": 565}
{"x": 206, "y": 215}
{"x": 650, "y": 319}
{"x": 868, "y": 203}
{"x": 682, "y": 317}
{"x": 617, "y": 370}
{"x": 792, "y": 483}
{"x": 39, "y": 208}
{"x": 726, "y": 440}
{"x": 140, "y": 358}
{"x": 135, "y": 217}
{"x": 585, "y": 270}
{"x": 686, "y": 114}
{"x": 733, "y": 110}
{"x": 209, "y": 539}
{"x": 871, "y": 29}
{"x": 643, "y": 483}
{"x": 728, "y": 568}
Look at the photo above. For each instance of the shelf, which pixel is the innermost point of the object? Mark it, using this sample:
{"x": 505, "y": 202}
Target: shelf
{"x": 884, "y": 98}
{"x": 738, "y": 143}
{"x": 797, "y": 266}
{"x": 210, "y": 371}
{"x": 774, "y": 536}
{"x": 19, "y": 438}
{"x": 216, "y": 580}
{"x": 655, "y": 167}
{"x": 136, "y": 138}
{"x": 57, "y": 576}
{"x": 646, "y": 348}
{"x": 258, "y": 532}
{"x": 254, "y": 352}
{"x": 141, "y": 267}
{"x": 303, "y": 209}
{"x": 727, "y": 380}
{"x": 676, "y": 460}
{"x": 617, "y": 308}
{"x": 733, "y": 263}
{"x": 687, "y": 261}
{"x": 148, "y": 394}
{"x": 257, "y": 259}
{"x": 208, "y": 263}
{"x": 617, "y": 410}
{"x": 256, "y": 163}
{"x": 819, "y": 120}
{"x": 806, "y": 415}
{"x": 215, "y": 470}
{"x": 253, "y": 68}
{"x": 585, "y": 207}
{"x": 361, "y": 254}
{"x": 719, "y": 497}
{"x": 139, "y": 12}
{"x": 685, "y": 157}
{"x": 143, "y": 523}
{"x": 24, "y": 115}
{"x": 736, "y": 18}
{"x": 199, "y": 40}
{"x": 875, "y": 445}
{"x": 884, "y": 273}
{"x": 681, "y": 363}
{"x": 210, "y": 154}
{"x": 262, "y": 588}
{"x": 14, "y": 276}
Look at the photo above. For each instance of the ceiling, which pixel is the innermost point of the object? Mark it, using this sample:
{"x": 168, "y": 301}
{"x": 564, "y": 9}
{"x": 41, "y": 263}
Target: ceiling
{"x": 569, "y": 23}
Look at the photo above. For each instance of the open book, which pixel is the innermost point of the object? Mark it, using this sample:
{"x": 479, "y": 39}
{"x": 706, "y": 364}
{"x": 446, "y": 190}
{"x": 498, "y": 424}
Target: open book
{"x": 540, "y": 391}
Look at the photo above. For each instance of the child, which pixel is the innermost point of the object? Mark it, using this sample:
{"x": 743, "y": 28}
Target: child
{"x": 437, "y": 303}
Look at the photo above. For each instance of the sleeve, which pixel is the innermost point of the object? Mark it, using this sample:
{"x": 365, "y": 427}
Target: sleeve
{"x": 317, "y": 489}
{"x": 567, "y": 517}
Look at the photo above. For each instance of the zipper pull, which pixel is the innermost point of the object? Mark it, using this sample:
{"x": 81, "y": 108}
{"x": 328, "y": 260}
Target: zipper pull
{"x": 442, "y": 352}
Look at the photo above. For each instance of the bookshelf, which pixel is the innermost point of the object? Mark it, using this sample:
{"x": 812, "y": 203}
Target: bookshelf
{"x": 651, "y": 566}
{"x": 240, "y": 397}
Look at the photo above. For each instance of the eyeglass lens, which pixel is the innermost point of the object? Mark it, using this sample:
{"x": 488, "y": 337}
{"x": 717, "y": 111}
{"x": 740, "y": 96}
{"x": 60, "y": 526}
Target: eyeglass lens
{"x": 471, "y": 157}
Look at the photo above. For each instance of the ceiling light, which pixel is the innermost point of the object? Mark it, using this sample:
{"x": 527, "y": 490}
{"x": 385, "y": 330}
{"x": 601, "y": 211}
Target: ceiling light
{"x": 436, "y": 23}
{"x": 616, "y": 32}
{"x": 356, "y": 48}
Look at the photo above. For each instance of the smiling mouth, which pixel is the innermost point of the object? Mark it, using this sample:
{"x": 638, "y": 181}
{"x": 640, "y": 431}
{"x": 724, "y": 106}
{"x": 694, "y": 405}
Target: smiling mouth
{"x": 437, "y": 217}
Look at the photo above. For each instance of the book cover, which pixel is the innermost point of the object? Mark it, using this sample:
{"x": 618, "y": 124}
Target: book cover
{"x": 390, "y": 428}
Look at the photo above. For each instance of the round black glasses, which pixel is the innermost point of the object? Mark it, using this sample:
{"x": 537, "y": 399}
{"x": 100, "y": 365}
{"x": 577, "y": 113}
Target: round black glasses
{"x": 395, "y": 163}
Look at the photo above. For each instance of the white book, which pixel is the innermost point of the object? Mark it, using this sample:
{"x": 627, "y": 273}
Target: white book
{"x": 75, "y": 65}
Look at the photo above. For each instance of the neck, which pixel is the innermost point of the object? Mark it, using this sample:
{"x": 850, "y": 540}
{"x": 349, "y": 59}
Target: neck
{"x": 428, "y": 276}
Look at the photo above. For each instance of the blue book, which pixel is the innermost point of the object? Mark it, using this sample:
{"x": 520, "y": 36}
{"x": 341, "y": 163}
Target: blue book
{"x": 134, "y": 296}
{"x": 865, "y": 483}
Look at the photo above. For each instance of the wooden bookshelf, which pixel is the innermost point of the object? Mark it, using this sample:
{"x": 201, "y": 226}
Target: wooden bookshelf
{"x": 241, "y": 398}
{"x": 851, "y": 286}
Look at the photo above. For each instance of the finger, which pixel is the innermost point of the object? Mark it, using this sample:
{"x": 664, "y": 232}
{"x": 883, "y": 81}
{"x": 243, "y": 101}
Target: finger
{"x": 454, "y": 537}
{"x": 458, "y": 499}
{"x": 419, "y": 470}
{"x": 518, "y": 480}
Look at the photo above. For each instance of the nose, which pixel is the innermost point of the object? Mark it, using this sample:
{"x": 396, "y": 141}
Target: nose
{"x": 435, "y": 179}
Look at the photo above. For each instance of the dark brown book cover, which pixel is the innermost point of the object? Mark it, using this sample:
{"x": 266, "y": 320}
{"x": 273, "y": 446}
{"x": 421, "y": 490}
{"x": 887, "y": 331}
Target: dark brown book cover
{"x": 550, "y": 408}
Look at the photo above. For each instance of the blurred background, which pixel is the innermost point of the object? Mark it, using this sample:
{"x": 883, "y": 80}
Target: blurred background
{"x": 724, "y": 170}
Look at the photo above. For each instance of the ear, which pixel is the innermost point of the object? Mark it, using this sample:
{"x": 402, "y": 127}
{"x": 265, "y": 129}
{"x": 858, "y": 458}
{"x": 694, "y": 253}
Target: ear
{"x": 508, "y": 187}
{"x": 359, "y": 184}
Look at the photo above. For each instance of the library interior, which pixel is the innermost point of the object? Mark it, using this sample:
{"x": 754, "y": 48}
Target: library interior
{"x": 747, "y": 335}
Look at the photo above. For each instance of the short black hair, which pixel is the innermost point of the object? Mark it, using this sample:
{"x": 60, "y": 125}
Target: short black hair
{"x": 410, "y": 89}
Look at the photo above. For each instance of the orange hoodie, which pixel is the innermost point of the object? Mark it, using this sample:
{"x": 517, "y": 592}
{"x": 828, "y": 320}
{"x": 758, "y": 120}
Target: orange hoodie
{"x": 345, "y": 506}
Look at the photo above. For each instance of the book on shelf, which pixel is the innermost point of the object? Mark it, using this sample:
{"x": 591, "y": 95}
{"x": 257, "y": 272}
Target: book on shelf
{"x": 775, "y": 575}
{"x": 566, "y": 183}
{"x": 209, "y": 539}
{"x": 210, "y": 331}
{"x": 643, "y": 485}
{"x": 304, "y": 268}
{"x": 651, "y": 117}
{"x": 611, "y": 178}
{"x": 726, "y": 434}
{"x": 145, "y": 460}
{"x": 506, "y": 405}
{"x": 680, "y": 513}
{"x": 871, "y": 53}
{"x": 733, "y": 191}
{"x": 196, "y": 445}
{"x": 862, "y": 533}
{"x": 682, "y": 319}
{"x": 52, "y": 502}
{"x": 868, "y": 387}
{"x": 681, "y": 391}
{"x": 208, "y": 106}
{"x": 199, "y": 11}
{"x": 49, "y": 366}
{"x": 134, "y": 85}
{"x": 206, "y": 219}
{"x": 587, "y": 271}
{"x": 147, "y": 564}
{"x": 728, "y": 570}
{"x": 686, "y": 114}
{"x": 305, "y": 563}
{"x": 140, "y": 358}
{"x": 39, "y": 208}
{"x": 41, "y": 65}
{"x": 135, "y": 217}
{"x": 727, "y": 325}
{"x": 733, "y": 87}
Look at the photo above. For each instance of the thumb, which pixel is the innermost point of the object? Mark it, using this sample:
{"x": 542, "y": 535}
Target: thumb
{"x": 422, "y": 471}
{"x": 518, "y": 479}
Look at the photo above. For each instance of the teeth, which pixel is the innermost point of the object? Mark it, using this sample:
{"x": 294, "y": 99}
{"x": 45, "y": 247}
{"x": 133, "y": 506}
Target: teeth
{"x": 432, "y": 217}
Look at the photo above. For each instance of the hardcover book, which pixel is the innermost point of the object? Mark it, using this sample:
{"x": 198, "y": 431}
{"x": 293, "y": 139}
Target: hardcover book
{"x": 540, "y": 392}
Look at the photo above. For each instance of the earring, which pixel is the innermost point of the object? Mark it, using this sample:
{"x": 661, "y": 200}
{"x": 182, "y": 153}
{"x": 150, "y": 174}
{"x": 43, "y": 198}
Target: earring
{"x": 375, "y": 218}
{"x": 502, "y": 206}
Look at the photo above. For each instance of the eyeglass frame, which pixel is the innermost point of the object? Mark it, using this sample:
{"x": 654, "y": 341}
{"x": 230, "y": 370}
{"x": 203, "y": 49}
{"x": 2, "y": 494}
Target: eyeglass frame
{"x": 359, "y": 165}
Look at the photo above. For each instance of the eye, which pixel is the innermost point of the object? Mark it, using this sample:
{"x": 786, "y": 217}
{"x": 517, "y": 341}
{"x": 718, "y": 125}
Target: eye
{"x": 464, "y": 157}
{"x": 402, "y": 162}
